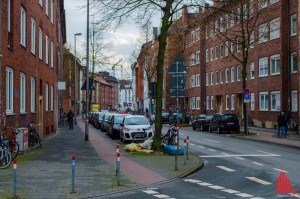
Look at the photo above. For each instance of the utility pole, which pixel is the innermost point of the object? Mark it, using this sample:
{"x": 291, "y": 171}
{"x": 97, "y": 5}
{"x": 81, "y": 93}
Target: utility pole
{"x": 86, "y": 137}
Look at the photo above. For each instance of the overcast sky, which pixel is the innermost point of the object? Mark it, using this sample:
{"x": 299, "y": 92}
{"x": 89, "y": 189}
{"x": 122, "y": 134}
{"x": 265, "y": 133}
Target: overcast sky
{"x": 123, "y": 39}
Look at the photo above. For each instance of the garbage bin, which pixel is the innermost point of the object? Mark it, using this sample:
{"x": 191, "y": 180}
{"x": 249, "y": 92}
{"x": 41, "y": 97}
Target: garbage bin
{"x": 22, "y": 139}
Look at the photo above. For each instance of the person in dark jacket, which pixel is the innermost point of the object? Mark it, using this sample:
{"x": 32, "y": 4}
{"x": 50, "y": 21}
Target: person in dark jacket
{"x": 282, "y": 123}
{"x": 70, "y": 116}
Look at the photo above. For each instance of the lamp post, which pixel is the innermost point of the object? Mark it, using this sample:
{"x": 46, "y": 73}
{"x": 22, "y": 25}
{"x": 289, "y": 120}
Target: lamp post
{"x": 77, "y": 34}
{"x": 86, "y": 134}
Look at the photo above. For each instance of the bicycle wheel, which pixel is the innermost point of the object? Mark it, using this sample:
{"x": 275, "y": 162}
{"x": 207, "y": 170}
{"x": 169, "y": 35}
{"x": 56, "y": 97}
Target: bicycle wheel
{"x": 33, "y": 141}
{"x": 14, "y": 149}
{"x": 5, "y": 158}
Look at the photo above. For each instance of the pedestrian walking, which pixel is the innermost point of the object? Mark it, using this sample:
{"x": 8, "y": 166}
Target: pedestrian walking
{"x": 282, "y": 123}
{"x": 70, "y": 116}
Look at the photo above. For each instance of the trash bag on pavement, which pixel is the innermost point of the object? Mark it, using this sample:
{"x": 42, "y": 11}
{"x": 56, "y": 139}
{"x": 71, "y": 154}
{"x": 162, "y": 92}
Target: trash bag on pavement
{"x": 147, "y": 144}
{"x": 170, "y": 149}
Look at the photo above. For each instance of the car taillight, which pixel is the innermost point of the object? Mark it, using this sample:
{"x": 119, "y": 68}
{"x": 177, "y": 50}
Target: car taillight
{"x": 205, "y": 120}
{"x": 221, "y": 123}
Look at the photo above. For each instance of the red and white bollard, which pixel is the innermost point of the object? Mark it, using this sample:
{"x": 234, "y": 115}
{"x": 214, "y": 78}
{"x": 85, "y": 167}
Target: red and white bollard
{"x": 187, "y": 147}
{"x": 184, "y": 152}
{"x": 118, "y": 168}
{"x": 15, "y": 178}
{"x": 73, "y": 173}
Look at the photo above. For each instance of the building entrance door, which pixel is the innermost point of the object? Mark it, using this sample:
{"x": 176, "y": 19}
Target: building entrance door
{"x": 219, "y": 104}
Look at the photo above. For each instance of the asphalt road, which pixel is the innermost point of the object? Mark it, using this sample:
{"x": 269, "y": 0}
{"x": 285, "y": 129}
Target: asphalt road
{"x": 234, "y": 168}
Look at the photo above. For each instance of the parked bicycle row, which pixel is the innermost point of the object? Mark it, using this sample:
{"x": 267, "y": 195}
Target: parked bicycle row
{"x": 10, "y": 147}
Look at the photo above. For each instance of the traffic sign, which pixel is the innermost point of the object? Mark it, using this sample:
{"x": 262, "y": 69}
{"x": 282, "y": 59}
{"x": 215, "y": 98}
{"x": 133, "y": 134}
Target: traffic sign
{"x": 247, "y": 91}
{"x": 177, "y": 67}
{"x": 246, "y": 98}
{"x": 181, "y": 93}
{"x": 173, "y": 82}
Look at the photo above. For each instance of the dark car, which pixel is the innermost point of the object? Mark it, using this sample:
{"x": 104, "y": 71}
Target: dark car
{"x": 104, "y": 124}
{"x": 114, "y": 125}
{"x": 224, "y": 122}
{"x": 174, "y": 116}
{"x": 164, "y": 117}
{"x": 202, "y": 122}
{"x": 98, "y": 118}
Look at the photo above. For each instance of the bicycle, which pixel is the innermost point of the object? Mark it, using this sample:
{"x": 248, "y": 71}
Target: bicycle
{"x": 292, "y": 125}
{"x": 13, "y": 144}
{"x": 170, "y": 136}
{"x": 34, "y": 140}
{"x": 5, "y": 154}
{"x": 63, "y": 120}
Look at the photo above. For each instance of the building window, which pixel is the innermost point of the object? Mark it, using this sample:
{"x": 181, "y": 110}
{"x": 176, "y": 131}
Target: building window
{"x": 207, "y": 102}
{"x": 294, "y": 62}
{"x": 262, "y": 4}
{"x": 252, "y": 70}
{"x": 232, "y": 47}
{"x": 221, "y": 24}
{"x": 47, "y": 50}
{"x": 293, "y": 25}
{"x": 9, "y": 22}
{"x": 198, "y": 103}
{"x": 47, "y": 97}
{"x": 52, "y": 55}
{"x": 212, "y": 102}
{"x": 22, "y": 93}
{"x": 251, "y": 40}
{"x": 232, "y": 74}
{"x": 238, "y": 43}
{"x": 221, "y": 50}
{"x": 193, "y": 81}
{"x": 52, "y": 11}
{"x": 47, "y": 7}
{"x": 32, "y": 94}
{"x": 275, "y": 64}
{"x": 231, "y": 20}
{"x": 226, "y": 48}
{"x": 211, "y": 78}
{"x": 263, "y": 101}
{"x": 197, "y": 80}
{"x": 226, "y": 75}
{"x": 41, "y": 43}
{"x": 217, "y": 77}
{"x": 206, "y": 32}
{"x": 238, "y": 15}
{"x": 197, "y": 57}
{"x": 41, "y": 3}
{"x": 206, "y": 55}
{"x": 232, "y": 102}
{"x": 33, "y": 30}
{"x": 216, "y": 52}
{"x": 221, "y": 76}
{"x": 238, "y": 73}
{"x": 207, "y": 79}
{"x": 294, "y": 101}
{"x": 52, "y": 97}
{"x": 273, "y": 1}
{"x": 226, "y": 22}
{"x": 275, "y": 101}
{"x": 263, "y": 67}
{"x": 227, "y": 102}
{"x": 211, "y": 54}
{"x": 274, "y": 29}
{"x": 23, "y": 27}
{"x": 9, "y": 90}
{"x": 263, "y": 33}
{"x": 252, "y": 102}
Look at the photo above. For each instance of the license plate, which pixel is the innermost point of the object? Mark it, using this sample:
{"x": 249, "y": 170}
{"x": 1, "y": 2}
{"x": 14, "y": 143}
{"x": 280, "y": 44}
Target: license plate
{"x": 140, "y": 135}
{"x": 230, "y": 123}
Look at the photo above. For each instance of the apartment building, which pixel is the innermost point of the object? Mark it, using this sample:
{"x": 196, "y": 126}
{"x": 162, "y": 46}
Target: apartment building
{"x": 32, "y": 35}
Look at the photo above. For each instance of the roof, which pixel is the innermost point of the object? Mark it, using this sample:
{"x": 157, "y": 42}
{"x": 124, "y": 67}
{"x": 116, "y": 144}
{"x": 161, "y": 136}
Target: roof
{"x": 101, "y": 80}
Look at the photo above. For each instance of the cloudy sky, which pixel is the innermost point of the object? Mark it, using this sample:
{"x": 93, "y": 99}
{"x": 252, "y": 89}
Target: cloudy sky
{"x": 123, "y": 39}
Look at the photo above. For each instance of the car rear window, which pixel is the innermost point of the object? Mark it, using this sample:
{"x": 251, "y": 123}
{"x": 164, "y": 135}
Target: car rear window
{"x": 165, "y": 114}
{"x": 208, "y": 117}
{"x": 229, "y": 117}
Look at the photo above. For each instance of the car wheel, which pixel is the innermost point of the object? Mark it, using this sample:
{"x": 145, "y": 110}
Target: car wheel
{"x": 209, "y": 129}
{"x": 219, "y": 130}
{"x": 194, "y": 128}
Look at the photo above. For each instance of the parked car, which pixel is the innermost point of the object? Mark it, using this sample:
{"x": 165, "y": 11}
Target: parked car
{"x": 135, "y": 127}
{"x": 202, "y": 122}
{"x": 105, "y": 124}
{"x": 164, "y": 117}
{"x": 174, "y": 116}
{"x": 90, "y": 117}
{"x": 114, "y": 125}
{"x": 224, "y": 122}
{"x": 98, "y": 119}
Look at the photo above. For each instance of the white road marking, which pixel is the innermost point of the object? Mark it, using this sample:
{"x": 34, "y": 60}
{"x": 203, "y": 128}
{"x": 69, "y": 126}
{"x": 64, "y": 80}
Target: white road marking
{"x": 297, "y": 195}
{"x": 150, "y": 192}
{"x": 225, "y": 153}
{"x": 193, "y": 181}
{"x": 280, "y": 170}
{"x": 244, "y": 195}
{"x": 161, "y": 196}
{"x": 238, "y": 155}
{"x": 267, "y": 153}
{"x": 211, "y": 150}
{"x": 216, "y": 187}
{"x": 258, "y": 163}
{"x": 191, "y": 144}
{"x": 257, "y": 198}
{"x": 226, "y": 168}
{"x": 230, "y": 191}
{"x": 201, "y": 147}
{"x": 259, "y": 180}
{"x": 239, "y": 158}
{"x": 212, "y": 141}
{"x": 204, "y": 184}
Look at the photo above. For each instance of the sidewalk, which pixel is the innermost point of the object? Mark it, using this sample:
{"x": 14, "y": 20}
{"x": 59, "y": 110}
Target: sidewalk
{"x": 45, "y": 173}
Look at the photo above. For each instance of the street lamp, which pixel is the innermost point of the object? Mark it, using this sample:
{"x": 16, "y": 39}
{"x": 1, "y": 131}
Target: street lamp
{"x": 86, "y": 134}
{"x": 77, "y": 34}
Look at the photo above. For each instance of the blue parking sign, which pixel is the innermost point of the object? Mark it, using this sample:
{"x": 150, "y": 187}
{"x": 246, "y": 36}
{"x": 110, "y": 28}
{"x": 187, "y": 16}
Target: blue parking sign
{"x": 246, "y": 98}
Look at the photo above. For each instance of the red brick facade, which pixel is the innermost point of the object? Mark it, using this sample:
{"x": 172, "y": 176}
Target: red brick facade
{"x": 20, "y": 59}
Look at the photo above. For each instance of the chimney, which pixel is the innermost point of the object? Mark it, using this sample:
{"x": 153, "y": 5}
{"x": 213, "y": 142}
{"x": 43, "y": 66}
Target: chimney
{"x": 185, "y": 14}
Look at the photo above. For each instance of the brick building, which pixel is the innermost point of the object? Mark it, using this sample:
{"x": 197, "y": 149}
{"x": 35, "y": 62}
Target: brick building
{"x": 212, "y": 43}
{"x": 32, "y": 35}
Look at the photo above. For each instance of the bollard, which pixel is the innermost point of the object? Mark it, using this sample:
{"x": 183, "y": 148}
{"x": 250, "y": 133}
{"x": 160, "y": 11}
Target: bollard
{"x": 187, "y": 147}
{"x": 176, "y": 154}
{"x": 118, "y": 168}
{"x": 184, "y": 159}
{"x": 73, "y": 173}
{"x": 117, "y": 151}
{"x": 15, "y": 178}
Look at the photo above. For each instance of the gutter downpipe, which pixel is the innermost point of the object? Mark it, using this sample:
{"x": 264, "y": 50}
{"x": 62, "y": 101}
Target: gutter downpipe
{"x": 289, "y": 56}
